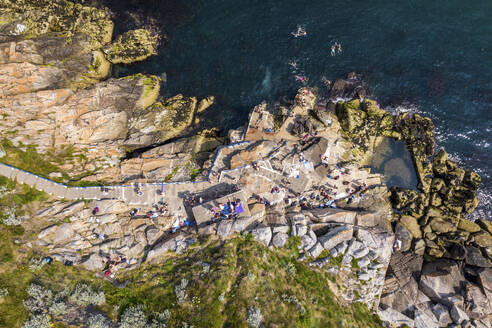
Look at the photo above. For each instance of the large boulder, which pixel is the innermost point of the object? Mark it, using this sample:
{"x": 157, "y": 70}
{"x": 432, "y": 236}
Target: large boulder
{"x": 280, "y": 239}
{"x": 458, "y": 314}
{"x": 473, "y": 256}
{"x": 404, "y": 236}
{"x": 467, "y": 225}
{"x": 63, "y": 233}
{"x": 394, "y": 318}
{"x": 486, "y": 225}
{"x": 441, "y": 225}
{"x": 335, "y": 236}
{"x": 94, "y": 262}
{"x": 262, "y": 233}
{"x": 441, "y": 312}
{"x": 350, "y": 116}
{"x": 478, "y": 306}
{"x": 483, "y": 239}
{"x": 316, "y": 250}
{"x": 485, "y": 278}
{"x": 425, "y": 320}
{"x": 224, "y": 228}
{"x": 164, "y": 120}
{"x": 441, "y": 280}
{"x": 131, "y": 46}
{"x": 307, "y": 242}
{"x": 412, "y": 225}
{"x": 332, "y": 215}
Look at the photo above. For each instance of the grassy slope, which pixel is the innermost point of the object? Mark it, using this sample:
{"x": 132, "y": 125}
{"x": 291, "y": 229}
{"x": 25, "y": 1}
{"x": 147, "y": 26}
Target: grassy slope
{"x": 242, "y": 274}
{"x": 246, "y": 273}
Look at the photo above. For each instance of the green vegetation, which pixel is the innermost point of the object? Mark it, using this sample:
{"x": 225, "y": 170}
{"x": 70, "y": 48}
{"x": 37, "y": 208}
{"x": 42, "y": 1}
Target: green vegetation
{"x": 17, "y": 197}
{"x": 170, "y": 175}
{"x": 213, "y": 285}
{"x": 355, "y": 264}
{"x": 194, "y": 173}
{"x": 30, "y": 160}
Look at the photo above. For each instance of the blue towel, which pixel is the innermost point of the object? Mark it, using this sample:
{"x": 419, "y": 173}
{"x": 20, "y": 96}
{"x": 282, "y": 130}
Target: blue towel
{"x": 239, "y": 208}
{"x": 226, "y": 211}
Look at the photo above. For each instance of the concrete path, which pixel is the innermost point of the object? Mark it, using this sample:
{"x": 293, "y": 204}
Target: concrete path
{"x": 147, "y": 194}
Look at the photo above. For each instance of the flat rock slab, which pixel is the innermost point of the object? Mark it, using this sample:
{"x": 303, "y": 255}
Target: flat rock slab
{"x": 335, "y": 236}
{"x": 333, "y": 215}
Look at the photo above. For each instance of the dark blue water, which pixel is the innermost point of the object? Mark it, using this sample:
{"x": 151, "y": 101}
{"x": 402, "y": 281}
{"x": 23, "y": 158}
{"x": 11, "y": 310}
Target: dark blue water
{"x": 432, "y": 57}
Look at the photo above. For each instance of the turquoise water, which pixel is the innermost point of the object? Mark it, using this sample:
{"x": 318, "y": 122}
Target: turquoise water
{"x": 432, "y": 57}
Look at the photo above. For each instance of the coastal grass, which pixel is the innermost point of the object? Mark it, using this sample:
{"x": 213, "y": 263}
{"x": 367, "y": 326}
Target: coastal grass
{"x": 223, "y": 280}
{"x": 18, "y": 196}
{"x": 28, "y": 159}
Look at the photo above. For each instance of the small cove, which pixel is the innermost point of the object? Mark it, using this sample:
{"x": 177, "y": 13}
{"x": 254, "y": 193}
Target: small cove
{"x": 392, "y": 159}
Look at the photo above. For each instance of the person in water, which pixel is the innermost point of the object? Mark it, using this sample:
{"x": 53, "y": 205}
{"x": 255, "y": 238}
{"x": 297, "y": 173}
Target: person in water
{"x": 300, "y": 32}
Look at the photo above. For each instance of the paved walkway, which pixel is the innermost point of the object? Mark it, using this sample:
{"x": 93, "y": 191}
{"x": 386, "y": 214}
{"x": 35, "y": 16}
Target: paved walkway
{"x": 150, "y": 193}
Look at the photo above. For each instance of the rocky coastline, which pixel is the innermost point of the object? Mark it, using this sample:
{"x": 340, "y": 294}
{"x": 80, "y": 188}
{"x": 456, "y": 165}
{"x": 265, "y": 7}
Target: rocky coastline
{"x": 298, "y": 168}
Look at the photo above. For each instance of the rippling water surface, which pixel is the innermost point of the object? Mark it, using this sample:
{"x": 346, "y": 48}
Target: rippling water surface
{"x": 432, "y": 57}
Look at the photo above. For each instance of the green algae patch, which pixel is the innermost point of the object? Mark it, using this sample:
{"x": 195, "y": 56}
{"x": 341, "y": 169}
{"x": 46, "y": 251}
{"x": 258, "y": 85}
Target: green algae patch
{"x": 151, "y": 85}
{"x": 100, "y": 67}
{"x": 33, "y": 18}
{"x": 167, "y": 119}
{"x": 131, "y": 46}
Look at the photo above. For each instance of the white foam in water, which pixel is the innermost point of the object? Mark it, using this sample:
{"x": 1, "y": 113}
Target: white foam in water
{"x": 266, "y": 84}
{"x": 403, "y": 108}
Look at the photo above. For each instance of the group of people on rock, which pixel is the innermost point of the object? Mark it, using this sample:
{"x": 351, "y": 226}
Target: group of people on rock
{"x": 192, "y": 200}
{"x": 301, "y": 97}
{"x": 157, "y": 210}
{"x": 110, "y": 263}
{"x": 180, "y": 223}
{"x": 230, "y": 210}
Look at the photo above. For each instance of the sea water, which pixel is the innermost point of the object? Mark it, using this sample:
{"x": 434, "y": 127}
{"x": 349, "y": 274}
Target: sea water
{"x": 431, "y": 57}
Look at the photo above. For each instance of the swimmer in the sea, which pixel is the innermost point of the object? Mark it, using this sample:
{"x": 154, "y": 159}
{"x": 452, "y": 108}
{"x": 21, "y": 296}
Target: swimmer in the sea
{"x": 300, "y": 32}
{"x": 333, "y": 50}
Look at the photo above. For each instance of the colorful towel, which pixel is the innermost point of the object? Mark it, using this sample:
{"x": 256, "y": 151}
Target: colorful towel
{"x": 239, "y": 208}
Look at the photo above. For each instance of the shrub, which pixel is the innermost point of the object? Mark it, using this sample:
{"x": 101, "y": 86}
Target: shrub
{"x": 9, "y": 217}
{"x": 180, "y": 291}
{"x": 293, "y": 300}
{"x": 58, "y": 308}
{"x": 98, "y": 321}
{"x": 36, "y": 264}
{"x": 254, "y": 317}
{"x": 85, "y": 295}
{"x": 38, "y": 321}
{"x": 290, "y": 268}
{"x": 160, "y": 320}
{"x": 39, "y": 299}
{"x": 133, "y": 317}
{"x": 4, "y": 292}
